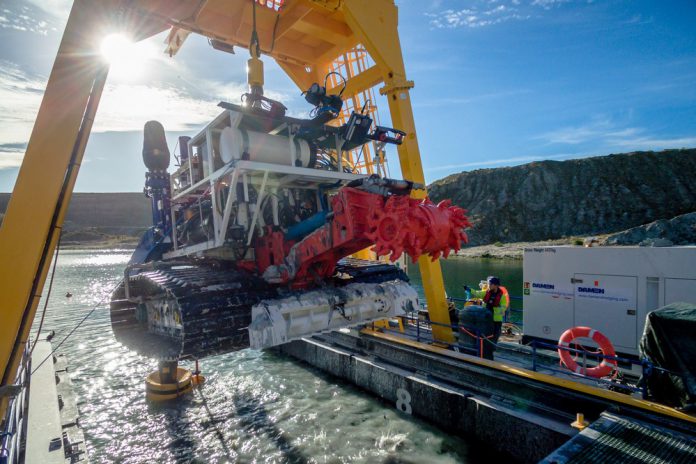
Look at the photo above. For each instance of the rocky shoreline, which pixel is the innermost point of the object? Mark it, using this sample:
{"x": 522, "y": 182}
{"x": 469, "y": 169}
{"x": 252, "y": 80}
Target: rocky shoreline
{"x": 678, "y": 231}
{"x": 104, "y": 245}
{"x": 512, "y": 251}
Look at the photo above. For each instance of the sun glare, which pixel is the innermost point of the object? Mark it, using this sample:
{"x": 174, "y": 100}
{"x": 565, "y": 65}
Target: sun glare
{"x": 128, "y": 60}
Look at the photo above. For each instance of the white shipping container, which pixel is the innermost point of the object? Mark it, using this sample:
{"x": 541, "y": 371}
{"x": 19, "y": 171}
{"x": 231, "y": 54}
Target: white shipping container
{"x": 610, "y": 289}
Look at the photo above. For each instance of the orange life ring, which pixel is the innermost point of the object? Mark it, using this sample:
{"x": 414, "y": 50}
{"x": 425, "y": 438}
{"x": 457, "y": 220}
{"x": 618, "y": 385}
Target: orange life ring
{"x": 604, "y": 368}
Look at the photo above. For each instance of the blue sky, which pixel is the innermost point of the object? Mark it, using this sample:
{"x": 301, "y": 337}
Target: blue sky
{"x": 498, "y": 83}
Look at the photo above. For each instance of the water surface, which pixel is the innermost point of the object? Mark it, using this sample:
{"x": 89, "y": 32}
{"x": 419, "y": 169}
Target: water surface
{"x": 255, "y": 406}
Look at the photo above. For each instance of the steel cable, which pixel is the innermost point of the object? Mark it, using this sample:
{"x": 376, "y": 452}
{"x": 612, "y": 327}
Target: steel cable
{"x": 107, "y": 295}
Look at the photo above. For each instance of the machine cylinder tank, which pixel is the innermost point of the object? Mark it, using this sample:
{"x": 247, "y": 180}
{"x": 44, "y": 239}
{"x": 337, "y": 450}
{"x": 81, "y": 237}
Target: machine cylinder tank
{"x": 183, "y": 148}
{"x": 236, "y": 143}
{"x": 477, "y": 322}
{"x": 155, "y": 150}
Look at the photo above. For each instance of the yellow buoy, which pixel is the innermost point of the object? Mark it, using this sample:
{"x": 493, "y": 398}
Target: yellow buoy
{"x": 197, "y": 379}
{"x": 168, "y": 382}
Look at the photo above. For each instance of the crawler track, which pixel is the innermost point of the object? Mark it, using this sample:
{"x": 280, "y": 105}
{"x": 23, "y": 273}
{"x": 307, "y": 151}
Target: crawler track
{"x": 199, "y": 310}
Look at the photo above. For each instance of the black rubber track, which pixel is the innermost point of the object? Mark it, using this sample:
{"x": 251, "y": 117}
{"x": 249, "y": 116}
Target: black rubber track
{"x": 214, "y": 304}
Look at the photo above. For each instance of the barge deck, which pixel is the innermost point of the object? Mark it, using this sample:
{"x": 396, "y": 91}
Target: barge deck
{"x": 525, "y": 414}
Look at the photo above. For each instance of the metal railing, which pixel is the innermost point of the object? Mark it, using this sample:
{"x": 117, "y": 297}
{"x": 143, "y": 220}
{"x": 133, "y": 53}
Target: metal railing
{"x": 14, "y": 422}
{"x": 424, "y": 325}
{"x": 647, "y": 368}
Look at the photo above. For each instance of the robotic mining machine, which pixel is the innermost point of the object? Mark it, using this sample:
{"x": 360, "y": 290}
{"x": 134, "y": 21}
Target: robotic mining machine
{"x": 253, "y": 233}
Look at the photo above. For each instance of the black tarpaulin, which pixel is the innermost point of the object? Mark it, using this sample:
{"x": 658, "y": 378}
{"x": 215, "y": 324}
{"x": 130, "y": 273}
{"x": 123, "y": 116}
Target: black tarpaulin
{"x": 669, "y": 342}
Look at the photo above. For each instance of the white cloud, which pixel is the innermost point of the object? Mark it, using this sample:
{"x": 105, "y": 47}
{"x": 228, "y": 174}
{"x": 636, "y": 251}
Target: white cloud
{"x": 57, "y": 8}
{"x": 654, "y": 143}
{"x": 23, "y": 18}
{"x": 548, "y": 4}
{"x": 622, "y": 140}
{"x": 123, "y": 107}
{"x": 498, "y": 9}
{"x": 502, "y": 161}
{"x": 11, "y": 154}
{"x": 10, "y": 160}
{"x": 627, "y": 132}
{"x": 126, "y": 107}
{"x": 573, "y": 135}
{"x": 605, "y": 132}
{"x": 477, "y": 15}
{"x": 638, "y": 20}
{"x": 20, "y": 96}
{"x": 463, "y": 100}
{"x": 474, "y": 17}
{"x": 484, "y": 13}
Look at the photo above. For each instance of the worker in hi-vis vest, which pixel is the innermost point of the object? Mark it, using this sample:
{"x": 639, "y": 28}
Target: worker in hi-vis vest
{"x": 495, "y": 299}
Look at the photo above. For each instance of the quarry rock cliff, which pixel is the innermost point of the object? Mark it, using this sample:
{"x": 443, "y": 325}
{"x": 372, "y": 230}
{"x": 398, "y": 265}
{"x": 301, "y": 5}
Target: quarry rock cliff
{"x": 553, "y": 199}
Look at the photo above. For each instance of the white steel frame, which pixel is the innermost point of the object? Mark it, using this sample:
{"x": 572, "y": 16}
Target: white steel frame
{"x": 262, "y": 176}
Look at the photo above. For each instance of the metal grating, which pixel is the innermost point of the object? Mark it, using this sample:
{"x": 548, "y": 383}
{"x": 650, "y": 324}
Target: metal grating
{"x": 371, "y": 157}
{"x": 617, "y": 439}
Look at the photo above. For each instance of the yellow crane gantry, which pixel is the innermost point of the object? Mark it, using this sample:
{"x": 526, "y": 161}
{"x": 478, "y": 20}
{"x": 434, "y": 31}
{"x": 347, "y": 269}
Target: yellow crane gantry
{"x": 303, "y": 36}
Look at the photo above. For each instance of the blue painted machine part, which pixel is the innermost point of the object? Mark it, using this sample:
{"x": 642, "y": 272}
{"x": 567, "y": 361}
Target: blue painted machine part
{"x": 157, "y": 188}
{"x": 306, "y": 227}
{"x": 151, "y": 247}
{"x": 156, "y": 240}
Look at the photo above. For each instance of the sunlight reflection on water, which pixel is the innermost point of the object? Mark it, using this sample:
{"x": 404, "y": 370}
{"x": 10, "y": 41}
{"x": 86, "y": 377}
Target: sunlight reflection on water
{"x": 255, "y": 406}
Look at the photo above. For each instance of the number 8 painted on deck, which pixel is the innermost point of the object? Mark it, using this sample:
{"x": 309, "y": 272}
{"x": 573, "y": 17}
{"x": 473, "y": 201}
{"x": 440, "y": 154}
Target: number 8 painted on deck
{"x": 403, "y": 401}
